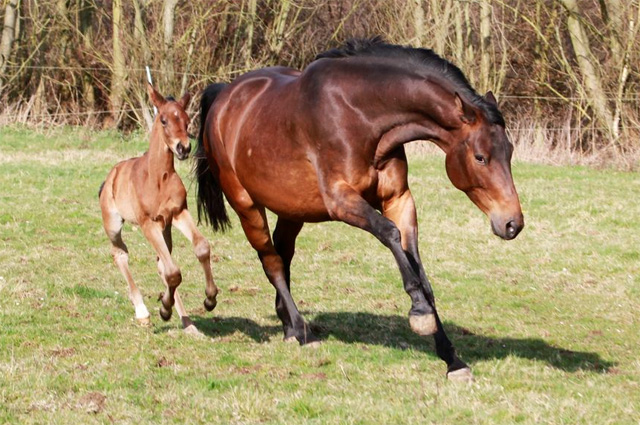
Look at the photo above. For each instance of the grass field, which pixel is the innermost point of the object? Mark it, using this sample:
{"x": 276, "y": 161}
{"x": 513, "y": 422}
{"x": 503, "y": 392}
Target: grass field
{"x": 547, "y": 322}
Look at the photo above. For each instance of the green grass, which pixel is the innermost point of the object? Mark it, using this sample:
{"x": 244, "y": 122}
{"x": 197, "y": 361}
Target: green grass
{"x": 548, "y": 322}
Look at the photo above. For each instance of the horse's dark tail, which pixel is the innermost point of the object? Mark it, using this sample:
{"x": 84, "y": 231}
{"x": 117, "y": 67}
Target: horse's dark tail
{"x": 210, "y": 200}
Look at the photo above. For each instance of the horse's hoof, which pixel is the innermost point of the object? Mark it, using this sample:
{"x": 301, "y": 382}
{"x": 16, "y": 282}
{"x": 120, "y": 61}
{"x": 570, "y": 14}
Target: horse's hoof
{"x": 210, "y": 304}
{"x": 145, "y": 322}
{"x": 192, "y": 330}
{"x": 423, "y": 325}
{"x": 460, "y": 375}
{"x": 165, "y": 314}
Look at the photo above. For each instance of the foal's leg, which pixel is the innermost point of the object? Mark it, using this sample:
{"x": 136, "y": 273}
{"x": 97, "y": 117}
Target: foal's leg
{"x": 185, "y": 224}
{"x": 187, "y": 324}
{"x": 113, "y": 227}
{"x": 284, "y": 240}
{"x": 170, "y": 272}
{"x": 401, "y": 210}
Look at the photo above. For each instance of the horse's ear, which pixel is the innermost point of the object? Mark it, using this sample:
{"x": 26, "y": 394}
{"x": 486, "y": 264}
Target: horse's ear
{"x": 184, "y": 100}
{"x": 156, "y": 98}
{"x": 489, "y": 97}
{"x": 467, "y": 114}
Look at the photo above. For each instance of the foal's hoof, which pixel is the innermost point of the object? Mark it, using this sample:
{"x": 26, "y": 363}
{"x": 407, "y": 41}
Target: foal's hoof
{"x": 460, "y": 375}
{"x": 145, "y": 322}
{"x": 423, "y": 325}
{"x": 210, "y": 303}
{"x": 165, "y": 313}
{"x": 192, "y": 331}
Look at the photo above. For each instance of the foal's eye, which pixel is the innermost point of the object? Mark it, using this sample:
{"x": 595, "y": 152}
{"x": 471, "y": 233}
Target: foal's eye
{"x": 163, "y": 121}
{"x": 481, "y": 159}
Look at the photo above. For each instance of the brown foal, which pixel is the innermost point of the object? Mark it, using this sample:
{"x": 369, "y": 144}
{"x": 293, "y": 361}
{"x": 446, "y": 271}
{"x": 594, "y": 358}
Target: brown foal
{"x": 148, "y": 192}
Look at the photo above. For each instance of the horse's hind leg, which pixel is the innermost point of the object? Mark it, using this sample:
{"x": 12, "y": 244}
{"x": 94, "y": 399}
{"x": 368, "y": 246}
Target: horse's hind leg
{"x": 255, "y": 226}
{"x": 184, "y": 222}
{"x": 170, "y": 273}
{"x": 284, "y": 240}
{"x": 113, "y": 227}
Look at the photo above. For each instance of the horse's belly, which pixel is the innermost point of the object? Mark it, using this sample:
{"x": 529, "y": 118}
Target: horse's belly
{"x": 288, "y": 188}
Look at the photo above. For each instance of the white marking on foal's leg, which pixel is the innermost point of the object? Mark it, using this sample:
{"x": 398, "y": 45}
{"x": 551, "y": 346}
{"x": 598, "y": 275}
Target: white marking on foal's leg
{"x": 142, "y": 314}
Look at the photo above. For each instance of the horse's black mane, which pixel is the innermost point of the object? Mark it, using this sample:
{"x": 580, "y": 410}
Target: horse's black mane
{"x": 421, "y": 57}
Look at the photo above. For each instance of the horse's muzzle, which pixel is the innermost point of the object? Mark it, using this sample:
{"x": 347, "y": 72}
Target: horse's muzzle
{"x": 182, "y": 152}
{"x": 507, "y": 229}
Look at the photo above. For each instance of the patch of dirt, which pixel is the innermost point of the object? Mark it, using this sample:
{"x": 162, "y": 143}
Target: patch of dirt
{"x": 614, "y": 371}
{"x": 247, "y": 369}
{"x": 92, "y": 402}
{"x": 311, "y": 376}
{"x": 63, "y": 352}
{"x": 163, "y": 362}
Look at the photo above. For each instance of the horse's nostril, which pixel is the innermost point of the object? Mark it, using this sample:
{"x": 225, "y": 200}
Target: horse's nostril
{"x": 512, "y": 229}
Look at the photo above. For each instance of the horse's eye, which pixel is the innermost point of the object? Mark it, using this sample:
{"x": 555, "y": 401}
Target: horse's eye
{"x": 481, "y": 159}
{"x": 163, "y": 121}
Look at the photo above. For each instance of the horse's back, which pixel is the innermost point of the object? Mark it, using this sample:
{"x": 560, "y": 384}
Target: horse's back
{"x": 262, "y": 146}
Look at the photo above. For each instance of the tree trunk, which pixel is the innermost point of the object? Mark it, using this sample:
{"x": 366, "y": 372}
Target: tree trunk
{"x": 168, "y": 21}
{"x": 418, "y": 21}
{"x": 588, "y": 67}
{"x": 139, "y": 33}
{"x": 8, "y": 35}
{"x": 276, "y": 39}
{"x": 250, "y": 27}
{"x": 485, "y": 45}
{"x": 118, "y": 76}
{"x": 86, "y": 29}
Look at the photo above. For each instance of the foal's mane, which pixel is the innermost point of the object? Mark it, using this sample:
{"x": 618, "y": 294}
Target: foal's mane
{"x": 425, "y": 59}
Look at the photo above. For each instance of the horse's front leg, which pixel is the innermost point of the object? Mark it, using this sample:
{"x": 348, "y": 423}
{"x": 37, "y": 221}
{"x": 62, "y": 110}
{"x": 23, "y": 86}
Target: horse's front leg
{"x": 184, "y": 222}
{"x": 154, "y": 232}
{"x": 401, "y": 210}
{"x": 345, "y": 204}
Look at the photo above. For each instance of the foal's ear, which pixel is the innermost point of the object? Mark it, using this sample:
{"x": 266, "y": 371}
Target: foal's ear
{"x": 156, "y": 98}
{"x": 467, "y": 114}
{"x": 184, "y": 100}
{"x": 489, "y": 97}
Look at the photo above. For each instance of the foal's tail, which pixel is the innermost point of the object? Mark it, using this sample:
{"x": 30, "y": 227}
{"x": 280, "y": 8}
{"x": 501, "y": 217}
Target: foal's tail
{"x": 210, "y": 200}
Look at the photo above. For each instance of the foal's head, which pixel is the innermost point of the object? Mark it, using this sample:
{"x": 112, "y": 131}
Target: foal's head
{"x": 174, "y": 121}
{"x": 480, "y": 165}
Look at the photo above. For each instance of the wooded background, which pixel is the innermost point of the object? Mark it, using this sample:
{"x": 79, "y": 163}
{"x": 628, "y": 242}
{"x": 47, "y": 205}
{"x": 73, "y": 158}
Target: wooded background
{"x": 566, "y": 72}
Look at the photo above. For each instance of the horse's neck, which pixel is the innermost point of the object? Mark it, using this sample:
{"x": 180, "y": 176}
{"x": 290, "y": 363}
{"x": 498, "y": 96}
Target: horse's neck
{"x": 160, "y": 156}
{"x": 424, "y": 112}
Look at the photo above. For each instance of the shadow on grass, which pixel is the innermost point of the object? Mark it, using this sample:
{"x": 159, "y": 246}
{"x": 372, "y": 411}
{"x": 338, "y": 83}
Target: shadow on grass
{"x": 218, "y": 327}
{"x": 394, "y": 332}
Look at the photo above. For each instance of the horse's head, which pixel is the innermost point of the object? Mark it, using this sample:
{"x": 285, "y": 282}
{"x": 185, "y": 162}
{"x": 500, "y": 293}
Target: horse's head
{"x": 174, "y": 121}
{"x": 480, "y": 166}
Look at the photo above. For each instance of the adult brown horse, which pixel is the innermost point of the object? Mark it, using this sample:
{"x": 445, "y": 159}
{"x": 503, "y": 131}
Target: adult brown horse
{"x": 148, "y": 191}
{"x": 327, "y": 144}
